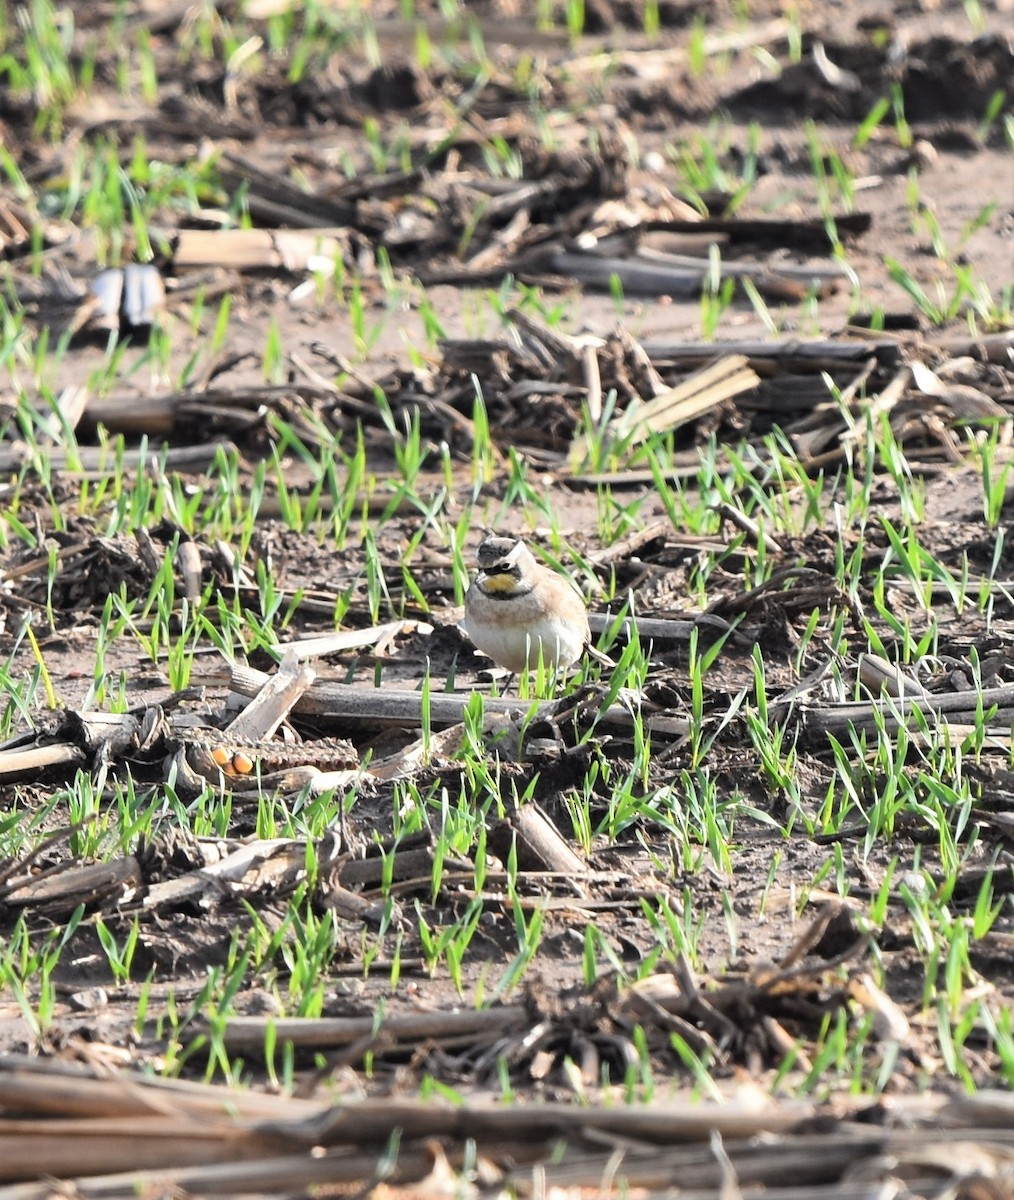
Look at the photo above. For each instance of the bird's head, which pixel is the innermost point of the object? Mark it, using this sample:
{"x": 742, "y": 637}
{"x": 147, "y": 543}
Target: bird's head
{"x": 505, "y": 564}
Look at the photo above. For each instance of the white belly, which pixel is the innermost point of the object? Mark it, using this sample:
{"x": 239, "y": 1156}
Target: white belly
{"x": 557, "y": 643}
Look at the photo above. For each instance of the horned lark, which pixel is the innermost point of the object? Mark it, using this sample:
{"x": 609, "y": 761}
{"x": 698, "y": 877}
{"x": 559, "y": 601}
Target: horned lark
{"x": 518, "y": 611}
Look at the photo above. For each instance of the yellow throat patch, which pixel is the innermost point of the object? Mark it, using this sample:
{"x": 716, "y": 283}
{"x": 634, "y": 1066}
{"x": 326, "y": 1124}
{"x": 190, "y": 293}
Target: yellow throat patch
{"x": 501, "y": 584}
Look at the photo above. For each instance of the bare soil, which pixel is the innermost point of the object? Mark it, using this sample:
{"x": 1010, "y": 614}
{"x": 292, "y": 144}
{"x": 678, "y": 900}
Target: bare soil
{"x": 947, "y": 74}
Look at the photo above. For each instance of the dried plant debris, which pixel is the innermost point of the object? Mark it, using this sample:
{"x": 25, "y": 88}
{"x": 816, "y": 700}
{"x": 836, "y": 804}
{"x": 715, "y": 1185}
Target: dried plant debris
{"x": 281, "y": 1142}
{"x": 536, "y": 385}
{"x": 299, "y": 893}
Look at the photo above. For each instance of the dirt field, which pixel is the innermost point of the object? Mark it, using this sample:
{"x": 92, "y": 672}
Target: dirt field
{"x": 451, "y": 194}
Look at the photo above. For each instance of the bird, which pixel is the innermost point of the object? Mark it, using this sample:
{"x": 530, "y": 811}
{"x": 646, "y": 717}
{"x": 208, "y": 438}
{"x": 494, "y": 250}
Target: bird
{"x": 518, "y": 612}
